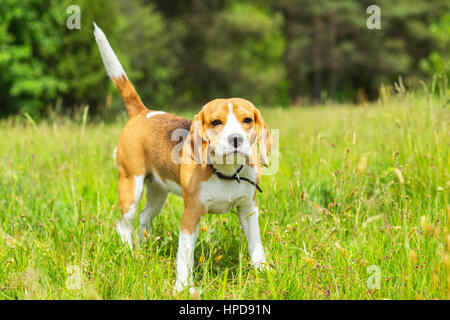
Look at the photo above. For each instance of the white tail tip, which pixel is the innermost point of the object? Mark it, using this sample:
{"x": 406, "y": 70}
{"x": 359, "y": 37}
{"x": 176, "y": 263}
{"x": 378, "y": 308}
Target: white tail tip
{"x": 112, "y": 64}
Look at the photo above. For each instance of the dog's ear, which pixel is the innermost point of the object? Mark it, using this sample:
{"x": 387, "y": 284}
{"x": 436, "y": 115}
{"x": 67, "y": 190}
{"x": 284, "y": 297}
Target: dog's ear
{"x": 197, "y": 139}
{"x": 263, "y": 138}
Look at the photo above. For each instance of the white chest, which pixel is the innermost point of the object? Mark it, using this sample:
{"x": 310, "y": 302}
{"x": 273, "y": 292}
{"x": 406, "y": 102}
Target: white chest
{"x": 221, "y": 196}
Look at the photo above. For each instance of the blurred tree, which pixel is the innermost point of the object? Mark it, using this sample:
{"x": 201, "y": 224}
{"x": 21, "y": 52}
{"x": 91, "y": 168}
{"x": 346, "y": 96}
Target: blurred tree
{"x": 28, "y": 45}
{"x": 78, "y": 64}
{"x": 244, "y": 51}
{"x": 329, "y": 40}
{"x": 42, "y": 60}
{"x": 150, "y": 45}
{"x": 229, "y": 48}
{"x": 186, "y": 52}
{"x": 438, "y": 62}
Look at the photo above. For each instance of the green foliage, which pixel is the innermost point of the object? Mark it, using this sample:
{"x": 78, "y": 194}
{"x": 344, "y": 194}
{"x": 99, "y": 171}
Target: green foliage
{"x": 245, "y": 49}
{"x": 331, "y": 50}
{"x": 28, "y": 45}
{"x": 79, "y": 65}
{"x": 184, "y": 53}
{"x": 150, "y": 46}
{"x": 438, "y": 62}
{"x": 42, "y": 61}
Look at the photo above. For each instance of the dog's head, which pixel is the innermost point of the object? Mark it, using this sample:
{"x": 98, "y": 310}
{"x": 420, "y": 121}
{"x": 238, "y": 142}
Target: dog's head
{"x": 225, "y": 131}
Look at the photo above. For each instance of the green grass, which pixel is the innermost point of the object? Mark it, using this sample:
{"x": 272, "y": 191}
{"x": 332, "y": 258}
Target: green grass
{"x": 357, "y": 187}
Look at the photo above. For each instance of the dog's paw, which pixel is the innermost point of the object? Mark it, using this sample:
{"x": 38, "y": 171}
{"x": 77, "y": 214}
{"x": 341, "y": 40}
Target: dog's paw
{"x": 262, "y": 266}
{"x": 179, "y": 288}
{"x": 195, "y": 293}
{"x": 125, "y": 234}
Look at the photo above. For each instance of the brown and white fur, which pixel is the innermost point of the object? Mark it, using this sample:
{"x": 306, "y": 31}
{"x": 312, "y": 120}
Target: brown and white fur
{"x": 144, "y": 156}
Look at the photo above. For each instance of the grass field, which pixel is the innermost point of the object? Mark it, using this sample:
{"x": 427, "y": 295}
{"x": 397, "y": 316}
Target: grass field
{"x": 358, "y": 210}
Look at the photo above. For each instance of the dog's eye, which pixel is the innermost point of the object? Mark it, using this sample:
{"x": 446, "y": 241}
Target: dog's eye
{"x": 248, "y": 120}
{"x": 216, "y": 122}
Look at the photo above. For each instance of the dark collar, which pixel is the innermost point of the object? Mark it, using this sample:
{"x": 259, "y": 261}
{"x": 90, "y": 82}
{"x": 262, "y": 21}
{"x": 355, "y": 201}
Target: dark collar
{"x": 235, "y": 176}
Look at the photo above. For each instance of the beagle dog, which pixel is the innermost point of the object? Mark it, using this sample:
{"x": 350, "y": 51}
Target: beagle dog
{"x": 212, "y": 162}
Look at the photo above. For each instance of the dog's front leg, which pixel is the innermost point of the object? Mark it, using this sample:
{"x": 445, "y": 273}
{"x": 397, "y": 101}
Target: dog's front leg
{"x": 185, "y": 254}
{"x": 248, "y": 216}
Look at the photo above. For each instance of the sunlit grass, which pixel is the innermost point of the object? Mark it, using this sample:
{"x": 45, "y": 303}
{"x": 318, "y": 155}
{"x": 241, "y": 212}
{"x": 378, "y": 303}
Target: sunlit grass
{"x": 357, "y": 187}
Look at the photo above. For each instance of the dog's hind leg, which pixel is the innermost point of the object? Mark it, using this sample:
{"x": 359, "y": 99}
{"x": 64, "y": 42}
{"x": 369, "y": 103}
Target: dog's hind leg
{"x": 130, "y": 191}
{"x": 156, "y": 197}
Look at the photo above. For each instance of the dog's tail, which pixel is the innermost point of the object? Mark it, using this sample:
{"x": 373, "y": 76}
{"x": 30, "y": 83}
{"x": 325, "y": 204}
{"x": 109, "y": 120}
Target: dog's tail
{"x": 114, "y": 69}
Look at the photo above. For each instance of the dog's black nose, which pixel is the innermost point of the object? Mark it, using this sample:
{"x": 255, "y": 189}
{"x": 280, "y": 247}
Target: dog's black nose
{"x": 235, "y": 140}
